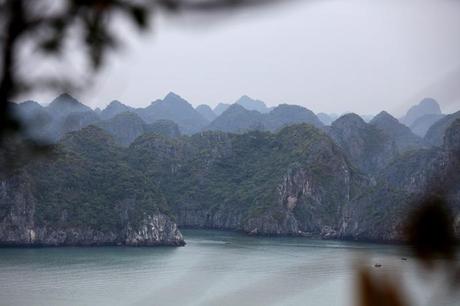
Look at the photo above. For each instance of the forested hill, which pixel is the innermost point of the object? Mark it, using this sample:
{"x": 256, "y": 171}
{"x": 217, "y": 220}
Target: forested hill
{"x": 301, "y": 180}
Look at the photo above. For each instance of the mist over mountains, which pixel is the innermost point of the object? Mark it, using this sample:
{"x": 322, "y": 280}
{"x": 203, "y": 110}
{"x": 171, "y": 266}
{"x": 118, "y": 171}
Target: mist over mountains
{"x": 65, "y": 114}
{"x": 132, "y": 176}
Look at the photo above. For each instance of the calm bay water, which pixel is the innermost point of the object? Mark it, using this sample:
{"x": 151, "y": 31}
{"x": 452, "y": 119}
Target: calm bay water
{"x": 215, "y": 268}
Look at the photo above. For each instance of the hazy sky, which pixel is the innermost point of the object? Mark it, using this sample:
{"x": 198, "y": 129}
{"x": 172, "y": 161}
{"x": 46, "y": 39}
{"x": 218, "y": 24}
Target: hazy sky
{"x": 327, "y": 55}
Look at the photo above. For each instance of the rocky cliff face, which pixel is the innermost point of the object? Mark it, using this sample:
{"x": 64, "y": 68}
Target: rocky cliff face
{"x": 310, "y": 196}
{"x": 83, "y": 195}
{"x": 353, "y": 184}
{"x": 153, "y": 230}
{"x": 306, "y": 206}
{"x": 293, "y": 182}
{"x": 381, "y": 213}
{"x": 17, "y": 207}
{"x": 367, "y": 146}
{"x": 435, "y": 134}
{"x": 19, "y": 227}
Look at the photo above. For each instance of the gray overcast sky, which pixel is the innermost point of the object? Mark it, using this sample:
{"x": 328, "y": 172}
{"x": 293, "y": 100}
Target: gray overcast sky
{"x": 327, "y": 55}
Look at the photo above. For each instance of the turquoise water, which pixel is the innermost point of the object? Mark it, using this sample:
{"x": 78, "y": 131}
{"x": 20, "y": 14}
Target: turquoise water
{"x": 215, "y": 268}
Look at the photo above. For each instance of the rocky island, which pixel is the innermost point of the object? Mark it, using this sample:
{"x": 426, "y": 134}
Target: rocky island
{"x": 135, "y": 176}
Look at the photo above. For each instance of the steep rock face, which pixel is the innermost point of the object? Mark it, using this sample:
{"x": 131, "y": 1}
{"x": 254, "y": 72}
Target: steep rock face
{"x": 83, "y": 195}
{"x": 302, "y": 207}
{"x": 16, "y": 210}
{"x": 403, "y": 137}
{"x": 293, "y": 182}
{"x": 209, "y": 219}
{"x": 19, "y": 228}
{"x": 435, "y": 134}
{"x": 381, "y": 213}
{"x": 452, "y": 181}
{"x": 181, "y": 167}
{"x": 366, "y": 146}
{"x": 154, "y": 230}
{"x": 311, "y": 195}
{"x": 452, "y": 139}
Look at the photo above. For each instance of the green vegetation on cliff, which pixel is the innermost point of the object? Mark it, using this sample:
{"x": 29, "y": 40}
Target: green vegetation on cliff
{"x": 346, "y": 182}
{"x": 87, "y": 182}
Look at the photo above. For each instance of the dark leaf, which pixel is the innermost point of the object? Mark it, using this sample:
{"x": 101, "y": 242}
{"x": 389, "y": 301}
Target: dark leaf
{"x": 431, "y": 230}
{"x": 140, "y": 16}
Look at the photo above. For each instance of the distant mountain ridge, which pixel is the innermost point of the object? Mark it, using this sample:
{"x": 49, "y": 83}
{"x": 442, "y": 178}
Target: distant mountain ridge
{"x": 114, "y": 108}
{"x": 174, "y": 107}
{"x": 65, "y": 104}
{"x": 65, "y": 114}
{"x": 246, "y": 102}
{"x": 252, "y": 104}
{"x": 404, "y": 138}
{"x": 238, "y": 119}
{"x": 427, "y": 106}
